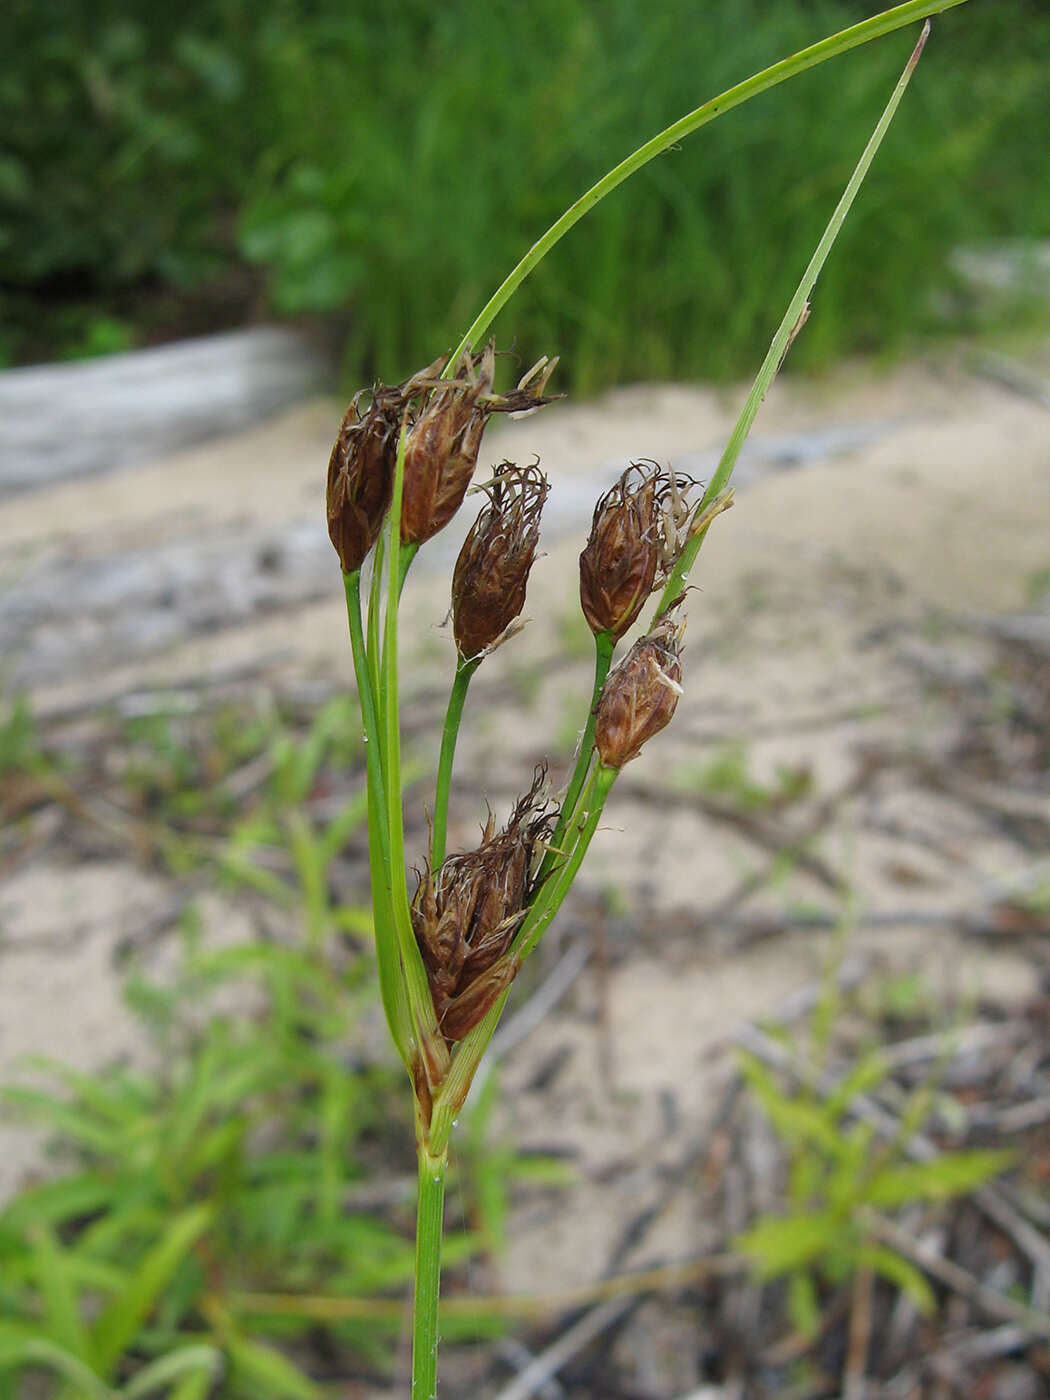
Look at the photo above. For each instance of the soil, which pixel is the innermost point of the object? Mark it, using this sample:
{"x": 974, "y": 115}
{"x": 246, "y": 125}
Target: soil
{"x": 861, "y": 743}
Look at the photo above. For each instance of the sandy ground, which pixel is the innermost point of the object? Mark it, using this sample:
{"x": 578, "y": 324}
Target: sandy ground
{"x": 816, "y": 605}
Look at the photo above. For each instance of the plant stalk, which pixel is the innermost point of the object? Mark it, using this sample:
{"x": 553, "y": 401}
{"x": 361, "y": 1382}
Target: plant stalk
{"x": 794, "y": 318}
{"x": 391, "y": 982}
{"x": 374, "y": 645}
{"x": 453, "y": 717}
{"x": 604, "y": 646}
{"x": 429, "y": 1215}
{"x": 426, "y": 1034}
{"x": 589, "y": 786}
{"x": 550, "y": 897}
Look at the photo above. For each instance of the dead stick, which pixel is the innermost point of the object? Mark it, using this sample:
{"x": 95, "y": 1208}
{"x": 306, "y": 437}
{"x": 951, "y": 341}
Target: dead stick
{"x": 989, "y": 1300}
{"x": 859, "y": 1335}
{"x": 579, "y": 1335}
{"x": 326, "y": 1308}
{"x": 992, "y": 1201}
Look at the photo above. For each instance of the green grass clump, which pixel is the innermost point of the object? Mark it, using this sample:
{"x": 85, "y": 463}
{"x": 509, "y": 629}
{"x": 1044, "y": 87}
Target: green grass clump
{"x": 190, "y": 1193}
{"x": 386, "y": 167}
{"x": 450, "y": 180}
{"x": 226, "y": 1167}
{"x": 840, "y": 1172}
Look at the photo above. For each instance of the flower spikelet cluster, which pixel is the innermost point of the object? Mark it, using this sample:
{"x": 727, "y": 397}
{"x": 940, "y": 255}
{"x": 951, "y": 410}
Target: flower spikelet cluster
{"x": 441, "y": 449}
{"x": 492, "y": 571}
{"x": 466, "y": 912}
{"x": 443, "y": 420}
{"x": 640, "y": 696}
{"x": 637, "y": 532}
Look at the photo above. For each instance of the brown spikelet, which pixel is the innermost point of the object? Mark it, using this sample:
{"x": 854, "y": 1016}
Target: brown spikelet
{"x": 463, "y": 1012}
{"x": 361, "y": 466}
{"x": 492, "y": 571}
{"x": 361, "y": 475}
{"x": 640, "y": 696}
{"x": 441, "y": 450}
{"x": 466, "y": 912}
{"x": 637, "y": 531}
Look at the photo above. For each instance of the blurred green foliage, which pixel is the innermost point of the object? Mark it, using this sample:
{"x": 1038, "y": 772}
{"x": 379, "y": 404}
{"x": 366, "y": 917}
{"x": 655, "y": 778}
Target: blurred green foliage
{"x": 839, "y": 1170}
{"x": 120, "y": 149}
{"x": 208, "y": 1206}
{"x": 389, "y": 164}
{"x": 229, "y": 1165}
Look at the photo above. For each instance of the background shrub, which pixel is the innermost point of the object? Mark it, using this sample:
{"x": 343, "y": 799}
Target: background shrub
{"x": 385, "y": 166}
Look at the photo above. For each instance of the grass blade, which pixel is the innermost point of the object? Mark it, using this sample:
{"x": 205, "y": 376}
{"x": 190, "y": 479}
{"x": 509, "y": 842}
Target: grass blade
{"x": 831, "y": 47}
{"x": 120, "y": 1323}
{"x": 270, "y": 1373}
{"x": 57, "y": 1286}
{"x": 19, "y": 1351}
{"x": 794, "y": 317}
{"x": 200, "y": 1360}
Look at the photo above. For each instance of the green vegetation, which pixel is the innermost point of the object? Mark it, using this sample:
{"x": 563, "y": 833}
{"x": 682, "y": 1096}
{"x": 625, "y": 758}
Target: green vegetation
{"x": 727, "y": 775}
{"x": 231, "y": 1215}
{"x": 255, "y": 1147}
{"x": 229, "y": 1167}
{"x": 385, "y": 167}
{"x": 227, "y": 1174}
{"x": 20, "y": 748}
{"x": 839, "y": 1170}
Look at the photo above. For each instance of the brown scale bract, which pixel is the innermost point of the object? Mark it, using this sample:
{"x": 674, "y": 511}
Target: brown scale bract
{"x": 492, "y": 571}
{"x": 466, "y": 912}
{"x": 441, "y": 448}
{"x": 361, "y": 467}
{"x": 361, "y": 476}
{"x": 640, "y": 696}
{"x": 638, "y": 528}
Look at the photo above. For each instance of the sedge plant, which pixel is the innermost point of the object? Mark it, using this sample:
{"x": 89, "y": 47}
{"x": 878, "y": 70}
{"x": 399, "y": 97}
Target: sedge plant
{"x": 450, "y": 943}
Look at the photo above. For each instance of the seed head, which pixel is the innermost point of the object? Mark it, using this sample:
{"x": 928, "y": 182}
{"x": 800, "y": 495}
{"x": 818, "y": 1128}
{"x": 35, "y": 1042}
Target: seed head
{"x": 361, "y": 467}
{"x": 641, "y": 694}
{"x": 491, "y": 573}
{"x": 441, "y": 450}
{"x": 471, "y": 1005}
{"x": 638, "y": 528}
{"x": 466, "y": 913}
{"x": 361, "y": 475}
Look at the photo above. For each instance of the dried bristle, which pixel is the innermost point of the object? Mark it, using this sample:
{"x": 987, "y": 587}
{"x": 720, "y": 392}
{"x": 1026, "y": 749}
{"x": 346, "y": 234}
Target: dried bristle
{"x": 492, "y": 570}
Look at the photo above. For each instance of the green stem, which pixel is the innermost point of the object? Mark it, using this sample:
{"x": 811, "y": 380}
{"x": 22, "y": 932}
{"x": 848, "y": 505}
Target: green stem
{"x": 417, "y": 988}
{"x": 374, "y": 648}
{"x": 408, "y": 553}
{"x": 550, "y": 897}
{"x": 376, "y": 630}
{"x": 830, "y": 47}
{"x": 365, "y": 684}
{"x": 391, "y": 983}
{"x": 604, "y": 646}
{"x": 429, "y": 1212}
{"x": 453, "y": 717}
{"x": 786, "y": 332}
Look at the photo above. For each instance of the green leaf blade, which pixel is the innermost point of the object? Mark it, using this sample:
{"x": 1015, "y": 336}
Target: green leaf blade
{"x": 122, "y": 1319}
